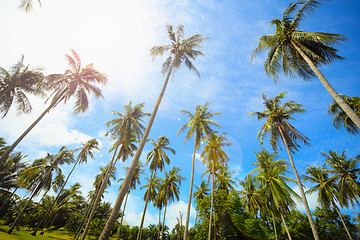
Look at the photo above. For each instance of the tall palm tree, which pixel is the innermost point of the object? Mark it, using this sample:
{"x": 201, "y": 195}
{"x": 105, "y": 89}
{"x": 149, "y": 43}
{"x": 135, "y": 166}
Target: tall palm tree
{"x": 212, "y": 155}
{"x": 126, "y": 128}
{"x": 48, "y": 165}
{"x": 199, "y": 125}
{"x": 346, "y": 172}
{"x": 170, "y": 190}
{"x": 278, "y": 128}
{"x": 326, "y": 188}
{"x": 157, "y": 159}
{"x": 341, "y": 118}
{"x": 277, "y": 195}
{"x": 180, "y": 50}
{"x": 15, "y": 83}
{"x": 86, "y": 150}
{"x": 75, "y": 81}
{"x": 301, "y": 53}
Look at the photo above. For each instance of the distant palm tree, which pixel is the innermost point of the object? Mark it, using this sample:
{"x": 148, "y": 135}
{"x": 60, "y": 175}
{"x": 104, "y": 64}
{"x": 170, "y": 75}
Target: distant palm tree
{"x": 341, "y": 118}
{"x": 301, "y": 53}
{"x": 87, "y": 150}
{"x": 326, "y": 188}
{"x": 75, "y": 81}
{"x": 180, "y": 50}
{"x": 278, "y": 127}
{"x": 157, "y": 159}
{"x": 251, "y": 194}
{"x": 48, "y": 165}
{"x": 199, "y": 125}
{"x": 15, "y": 83}
{"x": 212, "y": 155}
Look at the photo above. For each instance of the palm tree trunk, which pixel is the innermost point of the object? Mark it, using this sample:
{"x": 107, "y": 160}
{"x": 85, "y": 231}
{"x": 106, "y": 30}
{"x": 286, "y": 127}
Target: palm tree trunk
{"x": 302, "y": 193}
{"x": 190, "y": 191}
{"x": 122, "y": 217}
{"x": 159, "y": 223}
{"x": 22, "y": 210}
{"x": 273, "y": 218}
{"x": 126, "y": 185}
{"x": 145, "y": 207}
{"x": 283, "y": 220}
{"x": 212, "y": 199}
{"x": 342, "y": 220}
{"x": 86, "y": 215}
{"x": 101, "y": 191}
{"x": 344, "y": 106}
{"x": 56, "y": 199}
{"x": 163, "y": 225}
{"x": 9, "y": 150}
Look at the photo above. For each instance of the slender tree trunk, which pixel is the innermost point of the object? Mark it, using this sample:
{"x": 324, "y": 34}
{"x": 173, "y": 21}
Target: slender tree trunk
{"x": 283, "y": 220}
{"x": 86, "y": 215}
{"x": 302, "y": 193}
{"x": 56, "y": 199}
{"x": 101, "y": 191}
{"x": 212, "y": 198}
{"x": 163, "y": 225}
{"x": 126, "y": 185}
{"x": 9, "y": 150}
{"x": 145, "y": 207}
{"x": 342, "y": 220}
{"x": 122, "y": 217}
{"x": 274, "y": 224}
{"x": 190, "y": 191}
{"x": 159, "y": 223}
{"x": 344, "y": 106}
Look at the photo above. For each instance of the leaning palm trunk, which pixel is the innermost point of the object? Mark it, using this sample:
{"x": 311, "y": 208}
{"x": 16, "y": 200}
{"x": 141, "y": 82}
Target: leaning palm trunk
{"x": 212, "y": 199}
{"x": 302, "y": 193}
{"x": 145, "y": 207}
{"x": 342, "y": 220}
{"x": 190, "y": 190}
{"x": 283, "y": 220}
{"x": 344, "y": 106}
{"x": 273, "y": 218}
{"x": 126, "y": 185}
{"x": 122, "y": 217}
{"x": 9, "y": 150}
{"x": 101, "y": 190}
{"x": 163, "y": 225}
{"x": 84, "y": 220}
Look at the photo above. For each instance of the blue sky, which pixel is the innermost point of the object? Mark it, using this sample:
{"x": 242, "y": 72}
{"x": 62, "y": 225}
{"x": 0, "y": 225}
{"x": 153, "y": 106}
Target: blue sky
{"x": 117, "y": 38}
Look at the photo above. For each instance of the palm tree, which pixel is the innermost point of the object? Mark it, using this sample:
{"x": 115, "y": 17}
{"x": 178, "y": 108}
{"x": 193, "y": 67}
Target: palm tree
{"x": 278, "y": 127}
{"x": 327, "y": 189}
{"x": 75, "y": 81}
{"x": 346, "y": 172}
{"x": 341, "y": 118}
{"x": 126, "y": 129}
{"x": 170, "y": 190}
{"x": 157, "y": 159}
{"x": 15, "y": 83}
{"x": 301, "y": 53}
{"x": 47, "y": 166}
{"x": 212, "y": 155}
{"x": 136, "y": 180}
{"x": 200, "y": 125}
{"x": 251, "y": 194}
{"x": 87, "y": 150}
{"x": 181, "y": 50}
{"x": 276, "y": 193}
{"x": 201, "y": 192}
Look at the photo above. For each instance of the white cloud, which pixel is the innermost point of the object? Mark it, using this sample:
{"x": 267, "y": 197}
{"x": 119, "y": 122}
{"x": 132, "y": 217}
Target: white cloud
{"x": 173, "y": 212}
{"x": 311, "y": 199}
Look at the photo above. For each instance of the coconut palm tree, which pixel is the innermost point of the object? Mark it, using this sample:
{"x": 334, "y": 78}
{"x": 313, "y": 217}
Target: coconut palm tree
{"x": 341, "y": 118}
{"x": 126, "y": 128}
{"x": 170, "y": 190}
{"x": 301, "y": 53}
{"x": 251, "y": 194}
{"x": 75, "y": 81}
{"x": 15, "y": 83}
{"x": 346, "y": 172}
{"x": 157, "y": 159}
{"x": 47, "y": 166}
{"x": 326, "y": 188}
{"x": 212, "y": 155}
{"x": 278, "y": 128}
{"x": 277, "y": 195}
{"x": 85, "y": 152}
{"x": 181, "y": 50}
{"x": 199, "y": 125}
